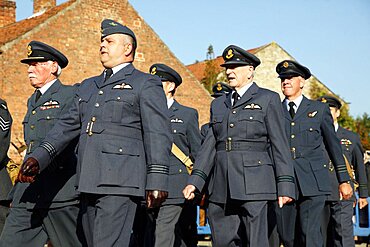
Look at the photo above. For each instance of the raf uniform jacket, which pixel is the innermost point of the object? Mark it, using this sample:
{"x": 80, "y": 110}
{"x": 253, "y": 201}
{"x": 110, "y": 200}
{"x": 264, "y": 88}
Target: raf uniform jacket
{"x": 352, "y": 149}
{"x": 55, "y": 186}
{"x": 5, "y": 127}
{"x": 185, "y": 132}
{"x": 311, "y": 127}
{"x": 245, "y": 152}
{"x": 124, "y": 134}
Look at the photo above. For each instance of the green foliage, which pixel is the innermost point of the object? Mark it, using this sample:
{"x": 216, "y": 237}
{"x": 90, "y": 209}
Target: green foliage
{"x": 362, "y": 127}
{"x": 210, "y": 71}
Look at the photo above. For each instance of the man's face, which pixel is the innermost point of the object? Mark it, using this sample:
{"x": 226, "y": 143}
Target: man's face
{"x": 335, "y": 113}
{"x": 112, "y": 50}
{"x": 40, "y": 73}
{"x": 292, "y": 86}
{"x": 168, "y": 87}
{"x": 239, "y": 76}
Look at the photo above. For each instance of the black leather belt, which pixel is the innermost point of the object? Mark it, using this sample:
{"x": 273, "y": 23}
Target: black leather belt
{"x": 241, "y": 146}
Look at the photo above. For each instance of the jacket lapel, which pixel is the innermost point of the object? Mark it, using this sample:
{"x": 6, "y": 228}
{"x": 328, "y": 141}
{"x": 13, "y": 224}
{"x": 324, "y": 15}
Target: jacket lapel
{"x": 47, "y": 96}
{"x": 247, "y": 95}
{"x": 302, "y": 107}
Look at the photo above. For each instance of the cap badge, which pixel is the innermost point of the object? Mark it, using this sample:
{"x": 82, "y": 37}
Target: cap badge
{"x": 285, "y": 64}
{"x": 230, "y": 54}
{"x": 29, "y": 50}
{"x": 323, "y": 100}
{"x": 219, "y": 87}
{"x": 113, "y": 24}
{"x": 154, "y": 71}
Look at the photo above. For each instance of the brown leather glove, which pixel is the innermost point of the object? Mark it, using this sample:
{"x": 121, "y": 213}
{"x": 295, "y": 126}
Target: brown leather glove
{"x": 29, "y": 169}
{"x": 154, "y": 198}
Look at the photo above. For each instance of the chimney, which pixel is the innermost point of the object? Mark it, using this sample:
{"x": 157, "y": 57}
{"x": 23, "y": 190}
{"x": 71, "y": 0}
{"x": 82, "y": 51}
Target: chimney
{"x": 43, "y": 5}
{"x": 7, "y": 12}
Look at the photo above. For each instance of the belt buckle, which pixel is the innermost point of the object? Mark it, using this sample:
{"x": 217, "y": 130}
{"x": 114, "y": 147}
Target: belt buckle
{"x": 228, "y": 145}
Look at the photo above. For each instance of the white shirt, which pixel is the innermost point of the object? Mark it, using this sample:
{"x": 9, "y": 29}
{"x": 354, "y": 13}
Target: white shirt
{"x": 297, "y": 102}
{"x": 241, "y": 91}
{"x": 336, "y": 126}
{"x": 117, "y": 68}
{"x": 44, "y": 88}
{"x": 170, "y": 102}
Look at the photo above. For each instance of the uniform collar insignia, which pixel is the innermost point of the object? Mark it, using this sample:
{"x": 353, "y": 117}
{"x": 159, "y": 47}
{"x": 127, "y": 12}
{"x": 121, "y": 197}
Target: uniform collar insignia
{"x": 50, "y": 105}
{"x": 177, "y": 120}
{"x": 312, "y": 114}
{"x": 122, "y": 86}
{"x": 253, "y": 106}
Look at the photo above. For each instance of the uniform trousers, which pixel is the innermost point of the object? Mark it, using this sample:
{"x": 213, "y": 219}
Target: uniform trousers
{"x": 238, "y": 223}
{"x": 3, "y": 213}
{"x": 337, "y": 226}
{"x": 32, "y": 228}
{"x": 168, "y": 216}
{"x": 107, "y": 220}
{"x": 299, "y": 222}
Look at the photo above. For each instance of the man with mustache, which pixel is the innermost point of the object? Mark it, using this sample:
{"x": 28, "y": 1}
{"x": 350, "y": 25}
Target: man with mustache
{"x": 45, "y": 207}
{"x": 246, "y": 156}
{"x": 121, "y": 120}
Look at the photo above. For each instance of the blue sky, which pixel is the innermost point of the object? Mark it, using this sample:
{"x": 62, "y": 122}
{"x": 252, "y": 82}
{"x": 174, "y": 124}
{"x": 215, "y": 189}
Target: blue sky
{"x": 330, "y": 37}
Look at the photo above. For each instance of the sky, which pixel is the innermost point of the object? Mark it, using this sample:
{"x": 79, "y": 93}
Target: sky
{"x": 330, "y": 37}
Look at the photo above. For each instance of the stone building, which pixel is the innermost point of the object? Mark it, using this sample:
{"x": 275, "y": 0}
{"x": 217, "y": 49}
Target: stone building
{"x": 270, "y": 55}
{"x": 74, "y": 28}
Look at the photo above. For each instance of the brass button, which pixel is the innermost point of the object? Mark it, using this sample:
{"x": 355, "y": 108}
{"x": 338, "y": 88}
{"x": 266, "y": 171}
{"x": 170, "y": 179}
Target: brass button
{"x": 120, "y": 150}
{"x": 324, "y": 165}
{"x": 100, "y": 92}
{"x": 250, "y": 117}
{"x": 311, "y": 129}
{"x": 174, "y": 131}
{"x": 231, "y": 125}
{"x": 96, "y": 104}
{"x": 33, "y": 112}
{"x": 259, "y": 162}
{"x": 292, "y": 123}
{"x": 32, "y": 127}
{"x": 118, "y": 98}
{"x": 293, "y": 148}
{"x": 233, "y": 111}
{"x": 93, "y": 119}
{"x": 48, "y": 117}
{"x": 90, "y": 133}
{"x": 229, "y": 138}
{"x": 180, "y": 170}
{"x": 292, "y": 136}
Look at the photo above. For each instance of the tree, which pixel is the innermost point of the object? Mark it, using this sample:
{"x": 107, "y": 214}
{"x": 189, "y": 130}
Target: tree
{"x": 211, "y": 70}
{"x": 362, "y": 127}
{"x": 345, "y": 120}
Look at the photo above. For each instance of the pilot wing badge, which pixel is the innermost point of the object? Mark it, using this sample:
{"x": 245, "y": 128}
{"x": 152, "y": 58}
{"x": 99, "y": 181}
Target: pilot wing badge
{"x": 122, "y": 86}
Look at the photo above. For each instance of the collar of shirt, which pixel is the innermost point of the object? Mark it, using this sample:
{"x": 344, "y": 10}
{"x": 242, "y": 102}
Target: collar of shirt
{"x": 336, "y": 126}
{"x": 118, "y": 68}
{"x": 170, "y": 102}
{"x": 244, "y": 89}
{"x": 297, "y": 102}
{"x": 44, "y": 88}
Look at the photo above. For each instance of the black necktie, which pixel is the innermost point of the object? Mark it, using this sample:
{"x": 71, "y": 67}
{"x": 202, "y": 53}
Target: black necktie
{"x": 108, "y": 73}
{"x": 236, "y": 97}
{"x": 38, "y": 95}
{"x": 291, "y": 109}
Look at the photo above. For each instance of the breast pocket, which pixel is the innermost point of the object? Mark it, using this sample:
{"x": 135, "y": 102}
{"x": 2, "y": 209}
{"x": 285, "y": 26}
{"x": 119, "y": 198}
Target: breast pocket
{"x": 116, "y": 104}
{"x": 216, "y": 123}
{"x": 311, "y": 133}
{"x": 252, "y": 122}
{"x": 83, "y": 102}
